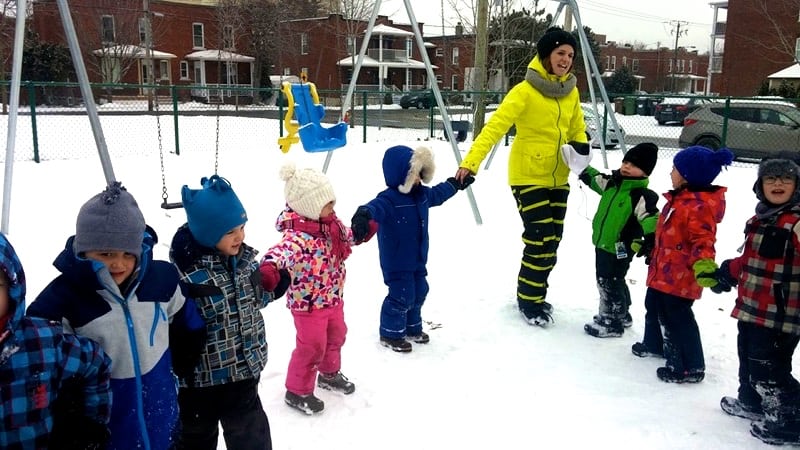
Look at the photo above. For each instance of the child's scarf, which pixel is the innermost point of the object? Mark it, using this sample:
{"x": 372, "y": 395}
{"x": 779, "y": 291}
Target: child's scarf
{"x": 330, "y": 228}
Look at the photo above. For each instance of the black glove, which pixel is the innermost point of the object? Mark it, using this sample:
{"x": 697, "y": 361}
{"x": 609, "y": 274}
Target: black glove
{"x": 644, "y": 247}
{"x": 581, "y": 148}
{"x": 724, "y": 279}
{"x": 283, "y": 284}
{"x": 71, "y": 429}
{"x": 469, "y": 179}
{"x": 360, "y": 224}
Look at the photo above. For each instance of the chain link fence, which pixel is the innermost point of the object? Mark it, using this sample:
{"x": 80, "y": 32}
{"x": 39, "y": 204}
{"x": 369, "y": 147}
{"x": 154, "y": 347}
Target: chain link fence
{"x": 52, "y": 123}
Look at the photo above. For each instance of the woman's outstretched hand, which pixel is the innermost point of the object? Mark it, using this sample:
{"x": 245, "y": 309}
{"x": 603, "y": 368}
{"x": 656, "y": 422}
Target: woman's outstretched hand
{"x": 462, "y": 173}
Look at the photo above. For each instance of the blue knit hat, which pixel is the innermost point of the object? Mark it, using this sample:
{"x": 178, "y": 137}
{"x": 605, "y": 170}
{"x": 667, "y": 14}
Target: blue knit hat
{"x": 111, "y": 220}
{"x": 700, "y": 165}
{"x": 213, "y": 210}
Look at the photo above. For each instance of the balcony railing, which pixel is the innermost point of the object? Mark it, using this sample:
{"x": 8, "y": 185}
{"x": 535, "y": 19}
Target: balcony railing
{"x": 388, "y": 54}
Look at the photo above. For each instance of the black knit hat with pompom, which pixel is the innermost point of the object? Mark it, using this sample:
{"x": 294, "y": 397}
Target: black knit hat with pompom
{"x": 554, "y": 37}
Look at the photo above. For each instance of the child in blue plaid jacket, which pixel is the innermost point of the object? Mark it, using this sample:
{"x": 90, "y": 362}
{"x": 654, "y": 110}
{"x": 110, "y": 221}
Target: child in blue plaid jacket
{"x": 36, "y": 359}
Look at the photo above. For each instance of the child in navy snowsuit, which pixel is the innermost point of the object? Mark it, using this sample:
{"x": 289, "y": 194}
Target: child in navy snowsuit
{"x": 37, "y": 358}
{"x": 401, "y": 212}
{"x": 113, "y": 291}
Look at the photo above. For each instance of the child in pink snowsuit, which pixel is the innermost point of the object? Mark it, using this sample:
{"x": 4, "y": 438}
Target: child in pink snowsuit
{"x": 313, "y": 249}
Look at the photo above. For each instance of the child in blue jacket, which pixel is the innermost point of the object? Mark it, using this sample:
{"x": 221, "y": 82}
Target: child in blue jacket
{"x": 111, "y": 290}
{"x": 36, "y": 359}
{"x": 401, "y": 212}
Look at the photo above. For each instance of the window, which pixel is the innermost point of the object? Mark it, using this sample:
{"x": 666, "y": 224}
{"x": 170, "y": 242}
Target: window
{"x": 635, "y": 65}
{"x": 163, "y": 69}
{"x": 107, "y": 28}
{"x": 143, "y": 30}
{"x": 608, "y": 63}
{"x": 455, "y": 55}
{"x": 691, "y": 68}
{"x": 439, "y": 52}
{"x": 184, "y": 70}
{"x": 670, "y": 66}
{"x": 409, "y": 48}
{"x": 350, "y": 42}
{"x": 438, "y": 79}
{"x": 613, "y": 63}
{"x": 454, "y": 82}
{"x": 303, "y": 43}
{"x": 624, "y": 61}
{"x": 227, "y": 38}
{"x": 198, "y": 41}
{"x": 287, "y": 71}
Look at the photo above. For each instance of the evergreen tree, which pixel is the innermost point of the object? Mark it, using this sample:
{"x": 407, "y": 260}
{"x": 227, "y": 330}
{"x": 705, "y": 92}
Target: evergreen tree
{"x": 622, "y": 81}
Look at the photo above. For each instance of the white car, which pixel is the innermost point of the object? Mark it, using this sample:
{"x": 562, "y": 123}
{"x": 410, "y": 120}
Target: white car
{"x": 594, "y": 129}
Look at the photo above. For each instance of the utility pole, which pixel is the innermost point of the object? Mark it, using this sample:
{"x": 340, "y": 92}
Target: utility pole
{"x": 677, "y": 24}
{"x": 568, "y": 19}
{"x": 148, "y": 39}
{"x": 481, "y": 38}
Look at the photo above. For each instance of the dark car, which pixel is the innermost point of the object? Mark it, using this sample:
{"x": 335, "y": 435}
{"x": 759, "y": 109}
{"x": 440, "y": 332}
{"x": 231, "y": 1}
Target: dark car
{"x": 418, "y": 99}
{"x": 755, "y": 129}
{"x": 675, "y": 109}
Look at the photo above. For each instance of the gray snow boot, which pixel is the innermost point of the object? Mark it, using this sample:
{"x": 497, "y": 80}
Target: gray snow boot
{"x": 335, "y": 382}
{"x": 308, "y": 404}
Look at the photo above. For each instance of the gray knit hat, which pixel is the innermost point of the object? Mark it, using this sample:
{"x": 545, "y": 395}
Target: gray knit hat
{"x": 111, "y": 220}
{"x": 776, "y": 167}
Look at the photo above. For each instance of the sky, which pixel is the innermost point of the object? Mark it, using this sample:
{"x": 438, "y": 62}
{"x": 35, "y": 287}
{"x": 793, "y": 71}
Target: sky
{"x": 624, "y": 21}
{"x": 487, "y": 379}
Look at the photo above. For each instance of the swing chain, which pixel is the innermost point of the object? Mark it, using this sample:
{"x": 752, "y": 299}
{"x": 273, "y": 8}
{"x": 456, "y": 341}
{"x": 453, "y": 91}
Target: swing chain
{"x": 216, "y": 145}
{"x": 164, "y": 195}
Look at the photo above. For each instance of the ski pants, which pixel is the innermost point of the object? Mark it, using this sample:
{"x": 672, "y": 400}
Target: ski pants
{"x": 236, "y": 405}
{"x": 320, "y": 335}
{"x": 682, "y": 346}
{"x": 401, "y": 313}
{"x": 542, "y": 210}
{"x": 615, "y": 297}
{"x": 765, "y": 374}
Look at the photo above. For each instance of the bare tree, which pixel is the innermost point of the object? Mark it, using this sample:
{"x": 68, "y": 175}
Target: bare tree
{"x": 8, "y": 13}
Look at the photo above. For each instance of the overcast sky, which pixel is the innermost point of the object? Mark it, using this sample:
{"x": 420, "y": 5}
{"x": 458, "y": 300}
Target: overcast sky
{"x": 644, "y": 21}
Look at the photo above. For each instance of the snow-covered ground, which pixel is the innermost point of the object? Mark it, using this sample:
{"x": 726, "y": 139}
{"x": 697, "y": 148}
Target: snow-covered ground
{"x": 487, "y": 379}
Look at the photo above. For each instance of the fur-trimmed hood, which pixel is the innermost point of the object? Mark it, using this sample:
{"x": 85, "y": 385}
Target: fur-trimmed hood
{"x": 401, "y": 166}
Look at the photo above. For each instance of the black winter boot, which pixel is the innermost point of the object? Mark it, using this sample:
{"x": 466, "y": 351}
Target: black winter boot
{"x": 604, "y": 327}
{"x": 668, "y": 375}
{"x": 774, "y": 435}
{"x": 336, "y": 382}
{"x": 536, "y": 313}
{"x": 735, "y": 407}
{"x": 308, "y": 404}
{"x": 398, "y": 345}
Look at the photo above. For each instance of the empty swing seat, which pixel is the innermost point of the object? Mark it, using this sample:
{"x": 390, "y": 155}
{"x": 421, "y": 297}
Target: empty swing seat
{"x": 313, "y": 136}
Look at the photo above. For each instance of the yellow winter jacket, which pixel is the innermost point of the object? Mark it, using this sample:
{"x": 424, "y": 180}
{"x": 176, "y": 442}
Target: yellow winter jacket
{"x": 543, "y": 125}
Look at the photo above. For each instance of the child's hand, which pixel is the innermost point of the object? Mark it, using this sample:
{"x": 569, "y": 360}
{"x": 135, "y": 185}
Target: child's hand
{"x": 461, "y": 185}
{"x": 644, "y": 247}
{"x": 360, "y": 224}
{"x": 708, "y": 275}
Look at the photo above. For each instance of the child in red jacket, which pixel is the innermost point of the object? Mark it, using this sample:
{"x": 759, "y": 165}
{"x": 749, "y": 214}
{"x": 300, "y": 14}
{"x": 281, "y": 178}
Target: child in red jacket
{"x": 768, "y": 307}
{"x": 682, "y": 262}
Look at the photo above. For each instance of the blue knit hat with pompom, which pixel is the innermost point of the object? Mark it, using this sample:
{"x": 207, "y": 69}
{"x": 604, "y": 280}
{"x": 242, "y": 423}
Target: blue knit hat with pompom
{"x": 700, "y": 165}
{"x": 213, "y": 210}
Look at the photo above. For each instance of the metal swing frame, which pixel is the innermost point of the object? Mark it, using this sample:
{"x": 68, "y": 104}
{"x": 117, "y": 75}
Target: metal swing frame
{"x": 431, "y": 80}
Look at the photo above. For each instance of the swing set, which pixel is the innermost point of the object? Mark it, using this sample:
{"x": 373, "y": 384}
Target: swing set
{"x": 304, "y": 106}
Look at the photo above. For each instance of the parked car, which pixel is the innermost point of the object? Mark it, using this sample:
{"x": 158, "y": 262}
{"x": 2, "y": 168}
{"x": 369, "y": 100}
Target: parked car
{"x": 675, "y": 109}
{"x": 419, "y": 99}
{"x": 755, "y": 129}
{"x": 594, "y": 134}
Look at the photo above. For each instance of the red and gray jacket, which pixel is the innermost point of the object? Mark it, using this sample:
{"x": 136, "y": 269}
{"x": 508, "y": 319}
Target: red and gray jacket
{"x": 769, "y": 272}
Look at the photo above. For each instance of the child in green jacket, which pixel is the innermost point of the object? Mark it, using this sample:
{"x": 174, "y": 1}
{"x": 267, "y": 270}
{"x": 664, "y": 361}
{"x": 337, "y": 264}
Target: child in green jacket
{"x": 621, "y": 229}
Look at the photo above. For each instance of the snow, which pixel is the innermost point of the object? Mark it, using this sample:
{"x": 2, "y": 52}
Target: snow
{"x": 486, "y": 379}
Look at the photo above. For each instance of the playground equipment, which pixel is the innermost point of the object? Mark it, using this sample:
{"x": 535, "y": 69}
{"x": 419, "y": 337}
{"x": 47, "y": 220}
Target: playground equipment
{"x": 304, "y": 106}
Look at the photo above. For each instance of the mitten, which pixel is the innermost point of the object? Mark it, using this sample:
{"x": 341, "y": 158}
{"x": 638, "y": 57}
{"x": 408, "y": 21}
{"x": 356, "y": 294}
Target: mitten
{"x": 725, "y": 281}
{"x": 460, "y": 186}
{"x": 577, "y": 155}
{"x": 360, "y": 224}
{"x": 705, "y": 272}
{"x": 644, "y": 247}
{"x": 269, "y": 275}
{"x": 373, "y": 228}
{"x": 283, "y": 284}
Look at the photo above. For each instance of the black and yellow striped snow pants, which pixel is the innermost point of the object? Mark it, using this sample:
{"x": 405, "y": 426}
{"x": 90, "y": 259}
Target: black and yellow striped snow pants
{"x": 542, "y": 210}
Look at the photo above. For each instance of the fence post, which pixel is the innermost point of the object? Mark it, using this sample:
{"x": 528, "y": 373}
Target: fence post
{"x": 364, "y": 122}
{"x": 32, "y": 101}
{"x": 174, "y": 91}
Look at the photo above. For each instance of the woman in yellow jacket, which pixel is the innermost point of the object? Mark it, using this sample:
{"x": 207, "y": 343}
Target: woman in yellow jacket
{"x": 546, "y": 110}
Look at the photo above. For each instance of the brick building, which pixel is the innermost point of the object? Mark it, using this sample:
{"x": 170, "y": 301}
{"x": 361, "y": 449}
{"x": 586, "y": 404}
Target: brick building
{"x": 187, "y": 44}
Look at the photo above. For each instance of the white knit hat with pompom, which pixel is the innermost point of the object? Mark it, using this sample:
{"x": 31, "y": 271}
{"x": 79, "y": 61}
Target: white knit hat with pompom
{"x": 307, "y": 191}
